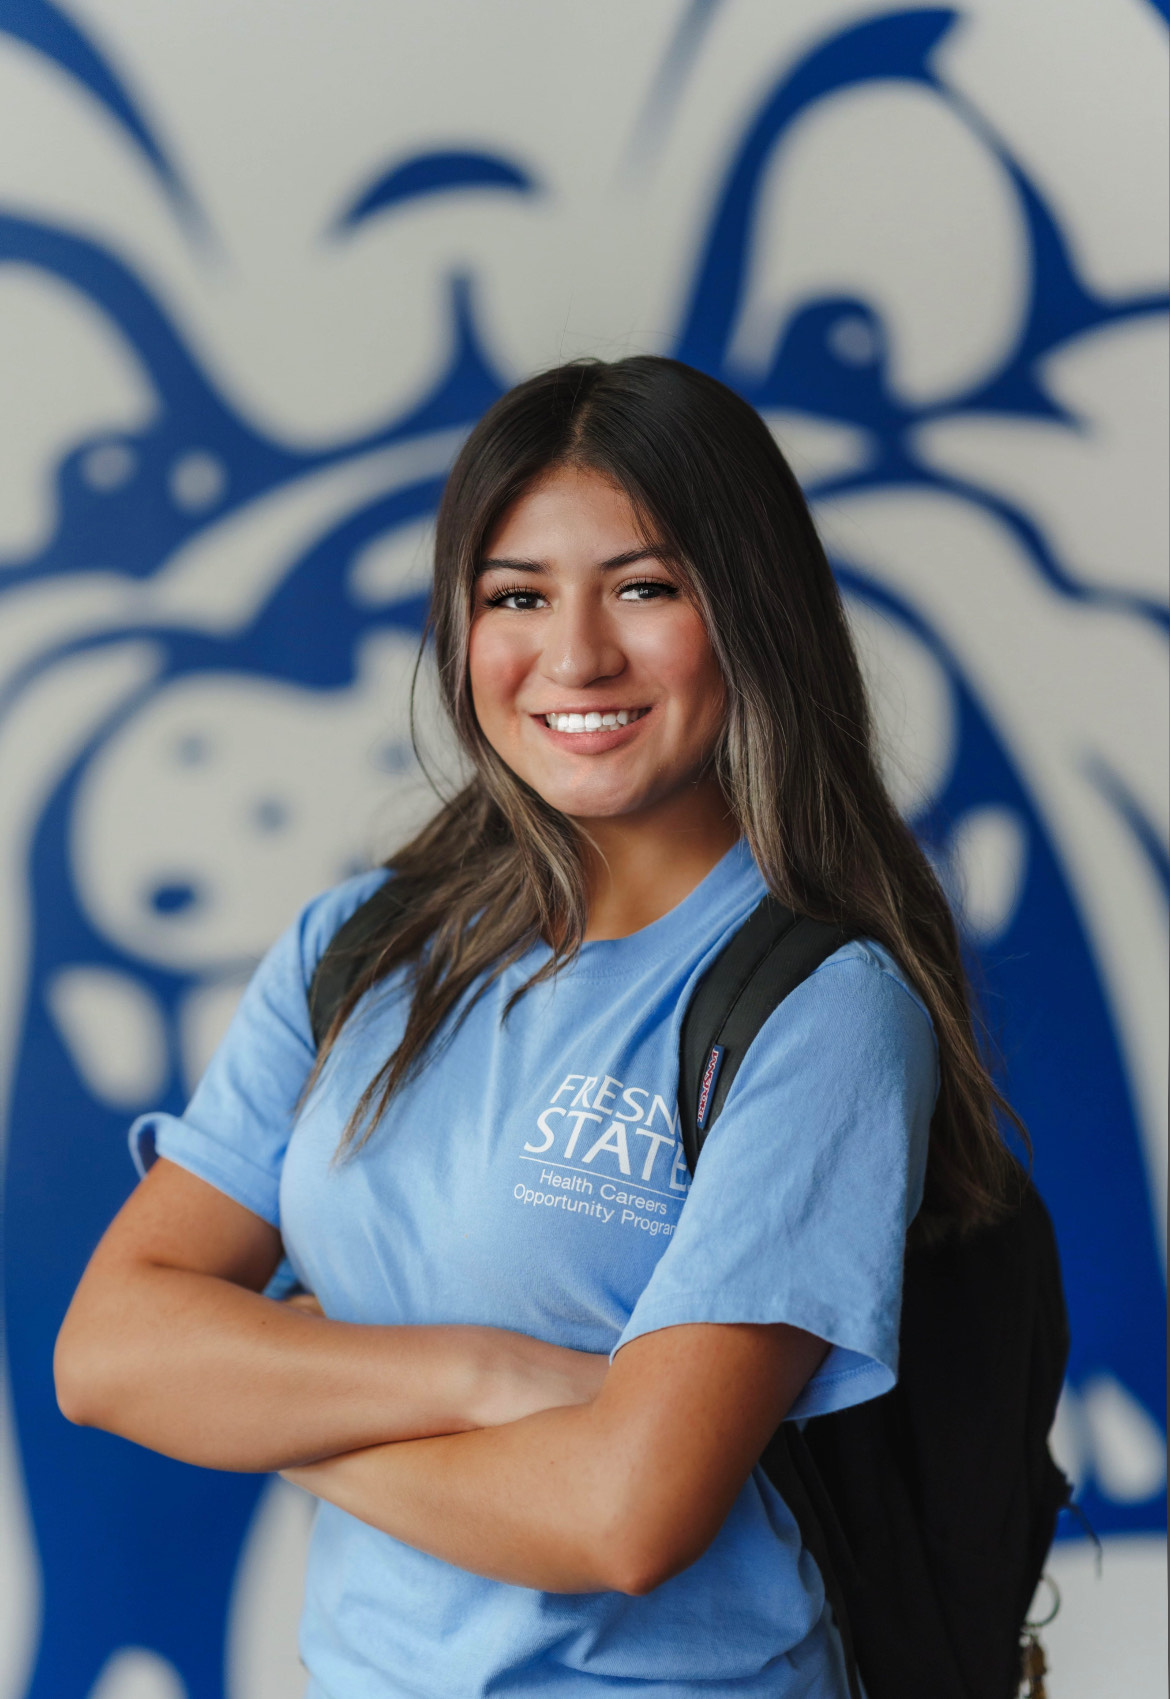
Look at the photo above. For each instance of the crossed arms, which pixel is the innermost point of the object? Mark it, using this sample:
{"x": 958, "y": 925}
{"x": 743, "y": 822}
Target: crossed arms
{"x": 502, "y": 1454}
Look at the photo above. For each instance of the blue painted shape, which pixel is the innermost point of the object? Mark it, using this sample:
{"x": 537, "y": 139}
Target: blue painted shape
{"x": 682, "y": 51}
{"x": 134, "y": 525}
{"x": 1060, "y": 307}
{"x": 810, "y": 374}
{"x": 1051, "y": 1033}
{"x": 440, "y": 173}
{"x": 45, "y": 28}
{"x": 134, "y": 1548}
{"x": 1143, "y": 830}
{"x": 896, "y": 45}
{"x": 270, "y": 815}
{"x": 1063, "y": 1068}
{"x": 174, "y": 897}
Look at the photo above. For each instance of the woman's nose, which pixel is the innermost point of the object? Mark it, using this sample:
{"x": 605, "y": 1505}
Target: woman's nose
{"x": 580, "y": 646}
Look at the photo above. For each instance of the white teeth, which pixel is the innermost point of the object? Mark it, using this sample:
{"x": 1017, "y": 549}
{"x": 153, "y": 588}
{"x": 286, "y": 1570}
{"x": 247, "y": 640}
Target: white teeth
{"x": 592, "y": 721}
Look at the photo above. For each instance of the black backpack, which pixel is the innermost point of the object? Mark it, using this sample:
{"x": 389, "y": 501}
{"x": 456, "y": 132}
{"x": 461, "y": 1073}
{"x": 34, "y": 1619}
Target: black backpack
{"x": 930, "y": 1510}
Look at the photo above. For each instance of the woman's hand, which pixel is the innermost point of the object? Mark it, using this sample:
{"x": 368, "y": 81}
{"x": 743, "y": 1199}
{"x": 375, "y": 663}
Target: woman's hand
{"x": 518, "y": 1376}
{"x": 510, "y": 1375}
{"x": 305, "y": 1303}
{"x": 617, "y": 1494}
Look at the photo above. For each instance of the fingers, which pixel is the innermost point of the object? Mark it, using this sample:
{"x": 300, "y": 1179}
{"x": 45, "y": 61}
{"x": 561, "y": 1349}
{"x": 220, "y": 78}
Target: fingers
{"x": 306, "y": 1302}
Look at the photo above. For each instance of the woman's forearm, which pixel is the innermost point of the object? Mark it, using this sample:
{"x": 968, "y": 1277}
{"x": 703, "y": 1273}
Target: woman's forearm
{"x": 203, "y": 1370}
{"x": 617, "y": 1494}
{"x": 525, "y": 1503}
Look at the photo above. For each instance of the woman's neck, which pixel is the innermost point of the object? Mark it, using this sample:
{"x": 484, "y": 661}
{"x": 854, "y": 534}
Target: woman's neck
{"x": 641, "y": 866}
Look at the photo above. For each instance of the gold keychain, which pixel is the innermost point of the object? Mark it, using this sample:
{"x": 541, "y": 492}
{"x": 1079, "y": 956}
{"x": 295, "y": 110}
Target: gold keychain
{"x": 1033, "y": 1668}
{"x": 1033, "y": 1663}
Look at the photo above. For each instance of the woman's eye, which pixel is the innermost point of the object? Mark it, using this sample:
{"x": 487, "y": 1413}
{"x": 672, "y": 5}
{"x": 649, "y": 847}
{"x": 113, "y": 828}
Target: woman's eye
{"x": 646, "y": 590}
{"x": 517, "y": 599}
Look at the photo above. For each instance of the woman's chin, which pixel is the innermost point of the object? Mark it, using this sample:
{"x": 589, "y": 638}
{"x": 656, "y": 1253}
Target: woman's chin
{"x": 596, "y": 810}
{"x": 598, "y": 796}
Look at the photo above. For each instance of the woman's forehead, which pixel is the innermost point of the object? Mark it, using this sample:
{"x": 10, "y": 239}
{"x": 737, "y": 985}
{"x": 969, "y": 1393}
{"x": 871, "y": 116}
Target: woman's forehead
{"x": 571, "y": 516}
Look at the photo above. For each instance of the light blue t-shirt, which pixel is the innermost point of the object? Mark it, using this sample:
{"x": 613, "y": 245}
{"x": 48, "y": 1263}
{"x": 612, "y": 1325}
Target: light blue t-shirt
{"x": 531, "y": 1177}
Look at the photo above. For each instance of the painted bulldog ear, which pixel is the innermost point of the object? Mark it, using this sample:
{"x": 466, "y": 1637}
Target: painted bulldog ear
{"x": 856, "y": 207}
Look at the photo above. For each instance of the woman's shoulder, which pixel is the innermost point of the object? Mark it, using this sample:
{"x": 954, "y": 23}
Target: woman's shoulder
{"x": 857, "y": 1017}
{"x": 867, "y": 974}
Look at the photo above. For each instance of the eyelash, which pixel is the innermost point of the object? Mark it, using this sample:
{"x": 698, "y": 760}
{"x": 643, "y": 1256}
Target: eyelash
{"x": 499, "y": 597}
{"x": 650, "y": 584}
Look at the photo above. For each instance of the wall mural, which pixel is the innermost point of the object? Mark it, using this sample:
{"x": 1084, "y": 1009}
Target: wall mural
{"x": 237, "y": 362}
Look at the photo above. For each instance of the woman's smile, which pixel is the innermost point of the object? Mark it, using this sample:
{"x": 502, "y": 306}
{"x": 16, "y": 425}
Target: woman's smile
{"x": 591, "y": 719}
{"x": 593, "y": 731}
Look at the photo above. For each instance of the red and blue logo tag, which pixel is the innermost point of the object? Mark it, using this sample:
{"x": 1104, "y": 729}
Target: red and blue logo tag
{"x": 707, "y": 1084}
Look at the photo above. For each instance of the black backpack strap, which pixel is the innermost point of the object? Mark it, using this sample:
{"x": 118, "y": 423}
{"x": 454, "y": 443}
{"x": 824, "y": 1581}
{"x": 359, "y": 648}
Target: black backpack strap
{"x": 348, "y": 953}
{"x": 772, "y": 953}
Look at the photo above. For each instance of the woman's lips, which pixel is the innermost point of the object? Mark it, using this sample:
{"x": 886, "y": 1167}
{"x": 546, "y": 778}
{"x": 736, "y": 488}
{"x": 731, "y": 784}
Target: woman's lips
{"x": 590, "y": 734}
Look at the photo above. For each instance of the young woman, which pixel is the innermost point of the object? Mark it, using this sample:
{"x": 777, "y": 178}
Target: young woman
{"x": 545, "y": 1369}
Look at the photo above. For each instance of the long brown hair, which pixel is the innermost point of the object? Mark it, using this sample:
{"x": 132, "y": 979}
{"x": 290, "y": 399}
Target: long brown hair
{"x": 498, "y": 870}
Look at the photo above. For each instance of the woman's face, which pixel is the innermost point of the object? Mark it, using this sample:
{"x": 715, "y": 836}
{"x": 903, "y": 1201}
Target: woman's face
{"x": 591, "y": 672}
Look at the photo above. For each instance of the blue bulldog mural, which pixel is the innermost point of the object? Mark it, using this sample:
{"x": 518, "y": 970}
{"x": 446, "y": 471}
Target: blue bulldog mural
{"x": 206, "y": 651}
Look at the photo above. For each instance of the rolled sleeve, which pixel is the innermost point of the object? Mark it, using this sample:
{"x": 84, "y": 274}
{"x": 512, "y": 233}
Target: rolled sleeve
{"x": 235, "y": 1130}
{"x": 799, "y": 1207}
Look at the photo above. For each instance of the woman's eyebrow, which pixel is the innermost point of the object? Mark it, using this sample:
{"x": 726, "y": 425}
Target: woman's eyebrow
{"x": 494, "y": 562}
{"x": 653, "y": 551}
{"x": 500, "y": 561}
